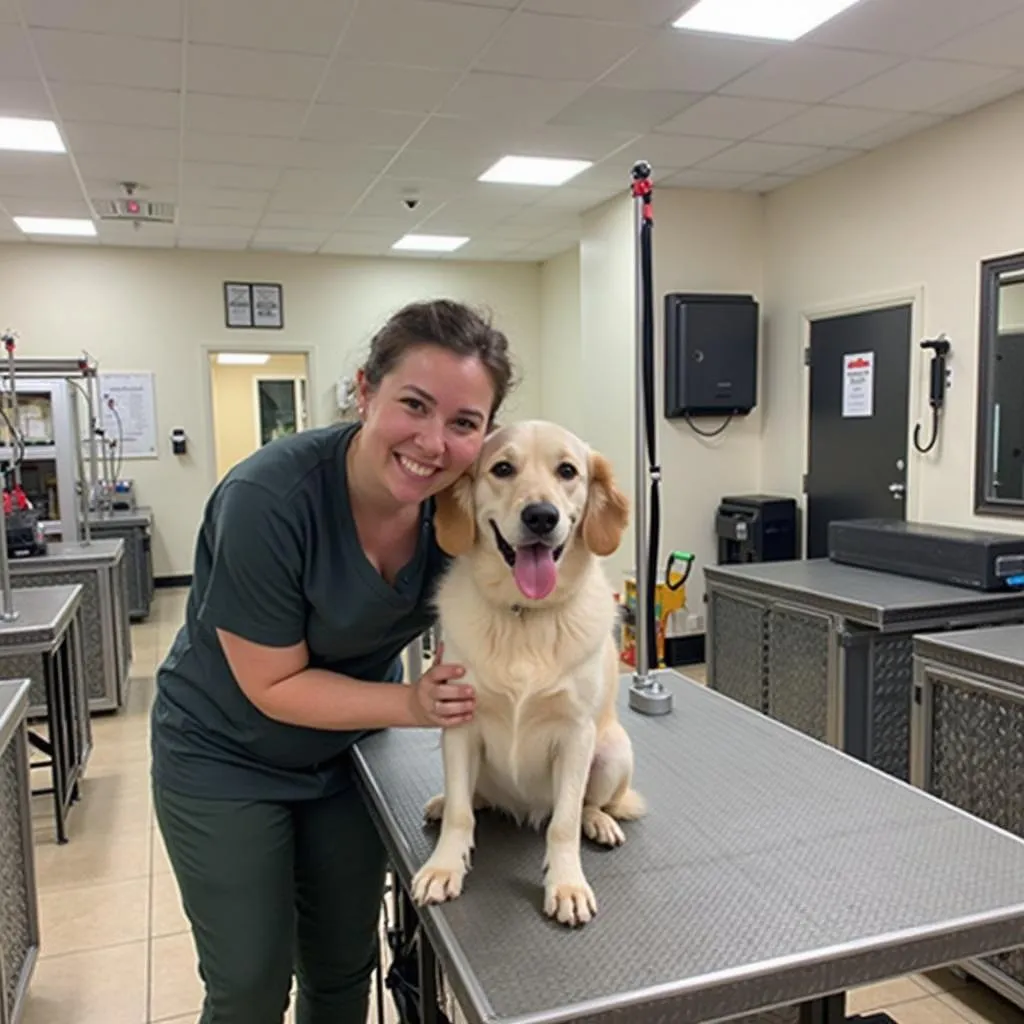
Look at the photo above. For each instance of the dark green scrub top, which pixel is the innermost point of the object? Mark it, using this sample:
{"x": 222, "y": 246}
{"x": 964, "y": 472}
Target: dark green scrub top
{"x": 277, "y": 560}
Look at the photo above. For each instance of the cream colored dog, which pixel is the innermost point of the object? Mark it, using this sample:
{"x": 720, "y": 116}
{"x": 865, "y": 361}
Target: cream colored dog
{"x": 527, "y": 609}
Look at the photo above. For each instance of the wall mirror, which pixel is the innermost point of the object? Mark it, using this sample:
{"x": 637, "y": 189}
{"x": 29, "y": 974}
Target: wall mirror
{"x": 999, "y": 455}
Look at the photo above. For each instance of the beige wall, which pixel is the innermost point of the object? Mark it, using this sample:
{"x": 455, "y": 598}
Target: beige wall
{"x": 915, "y": 218}
{"x": 561, "y": 369}
{"x": 157, "y": 310}
{"x": 235, "y": 418}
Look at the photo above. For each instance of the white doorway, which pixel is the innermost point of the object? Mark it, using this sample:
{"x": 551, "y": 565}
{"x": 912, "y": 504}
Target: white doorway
{"x": 257, "y": 397}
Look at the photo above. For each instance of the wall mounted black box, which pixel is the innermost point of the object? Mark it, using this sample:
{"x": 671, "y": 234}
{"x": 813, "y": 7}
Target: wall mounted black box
{"x": 710, "y": 354}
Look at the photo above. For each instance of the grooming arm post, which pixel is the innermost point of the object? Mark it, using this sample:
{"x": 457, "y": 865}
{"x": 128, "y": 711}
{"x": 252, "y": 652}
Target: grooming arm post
{"x": 646, "y": 694}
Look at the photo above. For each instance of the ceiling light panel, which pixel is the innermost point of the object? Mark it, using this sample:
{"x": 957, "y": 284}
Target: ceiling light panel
{"x": 783, "y": 20}
{"x": 30, "y": 135}
{"x": 534, "y": 170}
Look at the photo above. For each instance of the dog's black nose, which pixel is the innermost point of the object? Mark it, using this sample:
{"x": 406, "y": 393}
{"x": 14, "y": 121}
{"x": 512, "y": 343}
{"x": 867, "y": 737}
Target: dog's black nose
{"x": 540, "y": 517}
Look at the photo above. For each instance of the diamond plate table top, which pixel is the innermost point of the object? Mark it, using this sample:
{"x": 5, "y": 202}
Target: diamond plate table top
{"x": 43, "y": 613}
{"x": 13, "y": 703}
{"x": 770, "y": 869}
{"x": 999, "y": 643}
{"x": 142, "y": 515}
{"x": 864, "y": 594}
{"x": 64, "y": 554}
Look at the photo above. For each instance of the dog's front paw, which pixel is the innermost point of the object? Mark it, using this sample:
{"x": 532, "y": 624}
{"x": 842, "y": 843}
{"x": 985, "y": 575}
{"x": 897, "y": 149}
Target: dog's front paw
{"x": 570, "y": 902}
{"x": 437, "y": 882}
{"x": 602, "y": 828}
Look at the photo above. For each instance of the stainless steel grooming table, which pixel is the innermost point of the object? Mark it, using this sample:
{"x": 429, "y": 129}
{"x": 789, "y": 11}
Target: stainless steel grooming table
{"x": 828, "y": 648}
{"x": 772, "y": 874}
{"x": 968, "y": 744}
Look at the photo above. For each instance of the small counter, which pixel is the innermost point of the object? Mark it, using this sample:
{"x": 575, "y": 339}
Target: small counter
{"x": 99, "y": 567}
{"x": 135, "y": 528}
{"x": 19, "y": 904}
{"x": 968, "y": 744}
{"x": 827, "y": 648}
{"x": 44, "y": 645}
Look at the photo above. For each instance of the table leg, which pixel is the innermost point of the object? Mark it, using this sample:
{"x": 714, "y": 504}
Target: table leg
{"x": 58, "y": 760}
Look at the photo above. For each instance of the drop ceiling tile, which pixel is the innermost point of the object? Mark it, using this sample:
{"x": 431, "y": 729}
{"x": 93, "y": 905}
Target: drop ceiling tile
{"x": 920, "y": 85}
{"x": 635, "y": 110}
{"x": 460, "y": 134}
{"x": 387, "y": 86}
{"x": 974, "y": 98}
{"x": 346, "y": 243}
{"x": 316, "y": 220}
{"x": 290, "y": 236}
{"x": 823, "y": 161}
{"x": 911, "y": 27}
{"x": 226, "y": 198}
{"x": 363, "y": 224}
{"x": 153, "y": 19}
{"x": 196, "y": 216}
{"x": 206, "y": 147}
{"x": 92, "y": 137}
{"x": 767, "y": 183}
{"x": 9, "y": 14}
{"x": 242, "y": 115}
{"x": 338, "y": 157}
{"x": 759, "y": 157}
{"x": 23, "y": 97}
{"x": 908, "y": 124}
{"x": 829, "y": 126}
{"x": 550, "y": 47}
{"x": 700, "y": 178}
{"x": 575, "y": 143}
{"x": 91, "y": 59}
{"x": 229, "y": 71}
{"x": 730, "y": 117}
{"x": 654, "y": 13}
{"x": 444, "y": 36}
{"x": 111, "y": 104}
{"x": 665, "y": 153}
{"x": 999, "y": 42}
{"x": 147, "y": 236}
{"x": 414, "y": 164}
{"x": 98, "y": 188}
{"x": 809, "y": 74}
{"x": 698, "y": 63}
{"x": 270, "y": 24}
{"x": 333, "y": 122}
{"x": 41, "y": 206}
{"x": 509, "y": 98}
{"x": 42, "y": 183}
{"x": 245, "y": 176}
{"x": 15, "y": 54}
{"x": 112, "y": 167}
{"x": 297, "y": 193}
{"x": 213, "y": 237}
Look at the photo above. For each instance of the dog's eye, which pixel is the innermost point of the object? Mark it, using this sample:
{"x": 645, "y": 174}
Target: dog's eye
{"x": 567, "y": 471}
{"x": 503, "y": 469}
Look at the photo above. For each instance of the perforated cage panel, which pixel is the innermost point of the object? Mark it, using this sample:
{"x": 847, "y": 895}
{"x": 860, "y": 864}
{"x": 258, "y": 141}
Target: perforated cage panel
{"x": 739, "y": 638}
{"x": 798, "y": 665}
{"x": 977, "y": 764}
{"x": 17, "y": 935}
{"x": 891, "y": 696}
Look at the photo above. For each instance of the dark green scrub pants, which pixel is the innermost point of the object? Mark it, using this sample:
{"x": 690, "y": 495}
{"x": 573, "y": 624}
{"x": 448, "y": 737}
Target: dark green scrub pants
{"x": 274, "y": 887}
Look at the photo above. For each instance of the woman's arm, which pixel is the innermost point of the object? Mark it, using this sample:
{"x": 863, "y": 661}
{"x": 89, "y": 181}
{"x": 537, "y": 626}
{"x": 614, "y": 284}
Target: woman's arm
{"x": 280, "y": 683}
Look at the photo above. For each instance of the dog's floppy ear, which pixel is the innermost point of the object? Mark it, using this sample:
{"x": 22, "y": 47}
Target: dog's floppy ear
{"x": 606, "y": 513}
{"x": 454, "y": 522}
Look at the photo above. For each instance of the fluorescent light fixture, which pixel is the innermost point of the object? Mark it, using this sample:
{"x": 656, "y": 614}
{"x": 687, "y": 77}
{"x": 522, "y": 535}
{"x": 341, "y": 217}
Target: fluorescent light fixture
{"x": 55, "y": 226}
{"x": 534, "y": 170}
{"x": 243, "y": 358}
{"x": 30, "y": 135}
{"x": 762, "y": 19}
{"x": 430, "y": 243}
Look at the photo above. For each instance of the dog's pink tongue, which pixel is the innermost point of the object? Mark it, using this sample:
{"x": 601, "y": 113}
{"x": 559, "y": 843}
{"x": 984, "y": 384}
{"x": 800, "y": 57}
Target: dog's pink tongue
{"x": 535, "y": 571}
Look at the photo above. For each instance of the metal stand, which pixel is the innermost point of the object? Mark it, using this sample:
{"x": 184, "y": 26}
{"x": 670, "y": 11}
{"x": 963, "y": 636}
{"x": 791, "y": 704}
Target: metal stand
{"x": 647, "y": 695}
{"x": 8, "y": 612}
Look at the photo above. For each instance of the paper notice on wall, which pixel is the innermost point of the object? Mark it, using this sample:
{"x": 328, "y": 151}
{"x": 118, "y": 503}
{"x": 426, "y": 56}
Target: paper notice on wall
{"x": 858, "y": 384}
{"x": 129, "y": 413}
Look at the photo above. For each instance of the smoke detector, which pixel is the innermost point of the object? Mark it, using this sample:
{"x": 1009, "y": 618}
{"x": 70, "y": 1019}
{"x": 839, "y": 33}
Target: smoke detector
{"x": 130, "y": 207}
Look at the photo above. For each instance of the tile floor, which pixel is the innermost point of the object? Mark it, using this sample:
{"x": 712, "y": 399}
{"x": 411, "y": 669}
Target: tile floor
{"x": 116, "y": 947}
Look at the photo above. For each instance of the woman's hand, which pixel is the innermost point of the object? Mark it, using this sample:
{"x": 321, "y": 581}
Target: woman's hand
{"x": 437, "y": 700}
